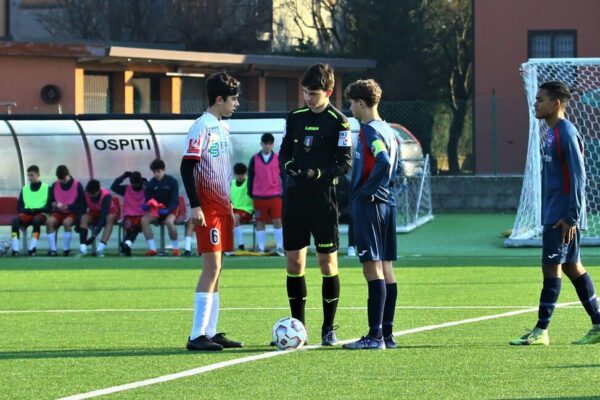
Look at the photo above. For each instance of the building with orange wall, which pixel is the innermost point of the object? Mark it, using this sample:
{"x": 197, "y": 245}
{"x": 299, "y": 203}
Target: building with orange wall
{"x": 508, "y": 33}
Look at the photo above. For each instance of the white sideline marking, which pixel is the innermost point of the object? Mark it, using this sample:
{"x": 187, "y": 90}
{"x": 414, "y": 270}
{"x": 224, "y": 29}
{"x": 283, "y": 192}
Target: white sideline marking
{"x": 275, "y": 353}
{"x": 125, "y": 310}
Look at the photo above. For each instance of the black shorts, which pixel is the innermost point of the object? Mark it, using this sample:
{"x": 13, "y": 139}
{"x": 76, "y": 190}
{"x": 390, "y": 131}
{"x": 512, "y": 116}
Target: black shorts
{"x": 310, "y": 210}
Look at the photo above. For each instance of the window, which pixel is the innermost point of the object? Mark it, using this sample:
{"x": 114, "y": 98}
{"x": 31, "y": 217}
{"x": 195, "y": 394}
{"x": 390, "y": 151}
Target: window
{"x": 552, "y": 44}
{"x": 96, "y": 93}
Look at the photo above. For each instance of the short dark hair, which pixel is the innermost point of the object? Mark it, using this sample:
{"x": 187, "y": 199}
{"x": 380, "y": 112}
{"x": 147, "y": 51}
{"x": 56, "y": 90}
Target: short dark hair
{"x": 221, "y": 84}
{"x": 93, "y": 186}
{"x": 157, "y": 164}
{"x": 267, "y": 138}
{"x": 557, "y": 90}
{"x": 366, "y": 90}
{"x": 319, "y": 77}
{"x": 240, "y": 169}
{"x": 34, "y": 169}
{"x": 62, "y": 171}
{"x": 135, "y": 178}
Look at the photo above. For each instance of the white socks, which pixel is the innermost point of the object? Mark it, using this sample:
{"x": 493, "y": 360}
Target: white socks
{"x": 278, "y": 237}
{"x": 260, "y": 239}
{"x": 202, "y": 308}
{"x": 33, "y": 243}
{"x": 211, "y": 329}
{"x": 67, "y": 241}
{"x": 100, "y": 248}
{"x": 15, "y": 244}
{"x": 52, "y": 241}
{"x": 175, "y": 244}
{"x": 151, "y": 245}
{"x": 238, "y": 235}
{"x": 188, "y": 243}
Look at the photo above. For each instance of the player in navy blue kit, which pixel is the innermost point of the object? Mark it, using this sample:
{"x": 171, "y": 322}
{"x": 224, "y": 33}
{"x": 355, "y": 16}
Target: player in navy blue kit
{"x": 373, "y": 209}
{"x": 563, "y": 214}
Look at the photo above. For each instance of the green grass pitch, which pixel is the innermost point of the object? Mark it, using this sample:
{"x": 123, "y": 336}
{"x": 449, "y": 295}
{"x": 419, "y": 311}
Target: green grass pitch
{"x": 71, "y": 326}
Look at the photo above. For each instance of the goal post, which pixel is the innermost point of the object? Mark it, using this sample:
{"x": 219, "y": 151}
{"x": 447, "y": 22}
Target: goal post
{"x": 582, "y": 75}
{"x": 413, "y": 196}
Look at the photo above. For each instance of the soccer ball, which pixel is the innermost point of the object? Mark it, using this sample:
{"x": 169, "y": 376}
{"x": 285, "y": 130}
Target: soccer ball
{"x": 289, "y": 333}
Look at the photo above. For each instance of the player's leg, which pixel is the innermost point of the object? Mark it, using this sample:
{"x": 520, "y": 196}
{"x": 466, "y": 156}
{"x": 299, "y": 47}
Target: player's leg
{"x": 553, "y": 254}
{"x": 147, "y": 220}
{"x": 275, "y": 213}
{"x": 324, "y": 227}
{"x": 170, "y": 224}
{"x": 106, "y": 232}
{"x": 132, "y": 226}
{"x": 296, "y": 238}
{"x": 67, "y": 234}
{"x": 584, "y": 286}
{"x": 390, "y": 254}
{"x": 14, "y": 231}
{"x": 189, "y": 231}
{"x": 389, "y": 309}
{"x": 370, "y": 244}
{"x": 238, "y": 234}
{"x": 83, "y": 233}
{"x": 212, "y": 240}
{"x": 36, "y": 223}
{"x": 51, "y": 224}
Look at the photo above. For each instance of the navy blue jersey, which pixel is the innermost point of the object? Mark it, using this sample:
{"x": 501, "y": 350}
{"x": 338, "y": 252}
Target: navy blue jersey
{"x": 165, "y": 191}
{"x": 563, "y": 176}
{"x": 375, "y": 164}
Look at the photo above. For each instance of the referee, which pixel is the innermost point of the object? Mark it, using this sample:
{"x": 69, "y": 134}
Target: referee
{"x": 316, "y": 149}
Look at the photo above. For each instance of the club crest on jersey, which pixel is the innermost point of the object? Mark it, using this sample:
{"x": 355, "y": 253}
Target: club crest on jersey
{"x": 345, "y": 139}
{"x": 308, "y": 141}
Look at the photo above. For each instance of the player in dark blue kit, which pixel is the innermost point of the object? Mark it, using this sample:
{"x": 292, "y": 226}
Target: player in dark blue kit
{"x": 563, "y": 214}
{"x": 373, "y": 208}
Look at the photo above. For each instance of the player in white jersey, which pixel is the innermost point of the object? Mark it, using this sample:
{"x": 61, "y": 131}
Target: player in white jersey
{"x": 206, "y": 175}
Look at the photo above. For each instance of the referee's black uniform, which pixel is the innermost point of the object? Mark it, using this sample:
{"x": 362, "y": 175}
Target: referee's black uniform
{"x": 321, "y": 142}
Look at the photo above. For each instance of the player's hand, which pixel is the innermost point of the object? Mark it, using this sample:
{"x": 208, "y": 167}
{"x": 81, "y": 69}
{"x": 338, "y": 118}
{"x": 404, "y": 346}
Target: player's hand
{"x": 127, "y": 174}
{"x": 145, "y": 207}
{"x": 163, "y": 211}
{"x": 568, "y": 231}
{"x": 313, "y": 174}
{"x": 197, "y": 217}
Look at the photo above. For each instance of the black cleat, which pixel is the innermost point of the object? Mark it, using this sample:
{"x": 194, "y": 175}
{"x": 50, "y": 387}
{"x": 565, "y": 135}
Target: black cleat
{"x": 126, "y": 250}
{"x": 241, "y": 247}
{"x": 203, "y": 343}
{"x": 52, "y": 253}
{"x": 220, "y": 338}
{"x": 187, "y": 253}
{"x": 31, "y": 252}
{"x": 66, "y": 253}
{"x": 14, "y": 253}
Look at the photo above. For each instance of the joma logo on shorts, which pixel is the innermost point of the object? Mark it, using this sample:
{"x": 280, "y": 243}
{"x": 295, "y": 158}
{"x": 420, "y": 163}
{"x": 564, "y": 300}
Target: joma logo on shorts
{"x": 311, "y": 128}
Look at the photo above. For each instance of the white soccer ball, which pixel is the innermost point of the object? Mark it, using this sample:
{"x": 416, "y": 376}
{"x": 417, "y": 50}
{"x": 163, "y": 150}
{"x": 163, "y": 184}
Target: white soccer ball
{"x": 289, "y": 333}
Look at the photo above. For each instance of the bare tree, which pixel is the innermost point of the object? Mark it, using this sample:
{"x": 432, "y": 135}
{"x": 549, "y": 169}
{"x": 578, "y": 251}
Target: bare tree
{"x": 208, "y": 25}
{"x": 325, "y": 20}
{"x": 450, "y": 25}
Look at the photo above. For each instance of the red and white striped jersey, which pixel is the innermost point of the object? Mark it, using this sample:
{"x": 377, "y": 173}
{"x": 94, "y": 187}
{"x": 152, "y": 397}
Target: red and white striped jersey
{"x": 208, "y": 143}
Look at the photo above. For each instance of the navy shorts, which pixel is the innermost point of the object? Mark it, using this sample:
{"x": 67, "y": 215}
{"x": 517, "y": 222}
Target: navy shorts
{"x": 555, "y": 251}
{"x": 374, "y": 231}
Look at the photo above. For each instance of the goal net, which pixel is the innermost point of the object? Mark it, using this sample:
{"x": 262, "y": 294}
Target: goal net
{"x": 413, "y": 195}
{"x": 582, "y": 75}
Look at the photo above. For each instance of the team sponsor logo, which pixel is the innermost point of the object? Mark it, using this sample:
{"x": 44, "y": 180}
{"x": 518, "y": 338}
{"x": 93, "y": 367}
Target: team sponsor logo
{"x": 193, "y": 146}
{"x": 325, "y": 245}
{"x": 308, "y": 140}
{"x": 346, "y": 125}
{"x": 345, "y": 139}
{"x": 311, "y": 128}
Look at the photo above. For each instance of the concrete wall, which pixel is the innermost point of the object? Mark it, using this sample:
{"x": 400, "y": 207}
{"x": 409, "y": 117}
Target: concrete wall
{"x": 475, "y": 193}
{"x": 24, "y": 77}
{"x": 500, "y": 47}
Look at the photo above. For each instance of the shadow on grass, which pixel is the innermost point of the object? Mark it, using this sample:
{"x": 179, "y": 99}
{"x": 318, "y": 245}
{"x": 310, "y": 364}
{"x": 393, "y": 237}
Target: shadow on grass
{"x": 577, "y": 366}
{"x": 551, "y": 398}
{"x": 99, "y": 353}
